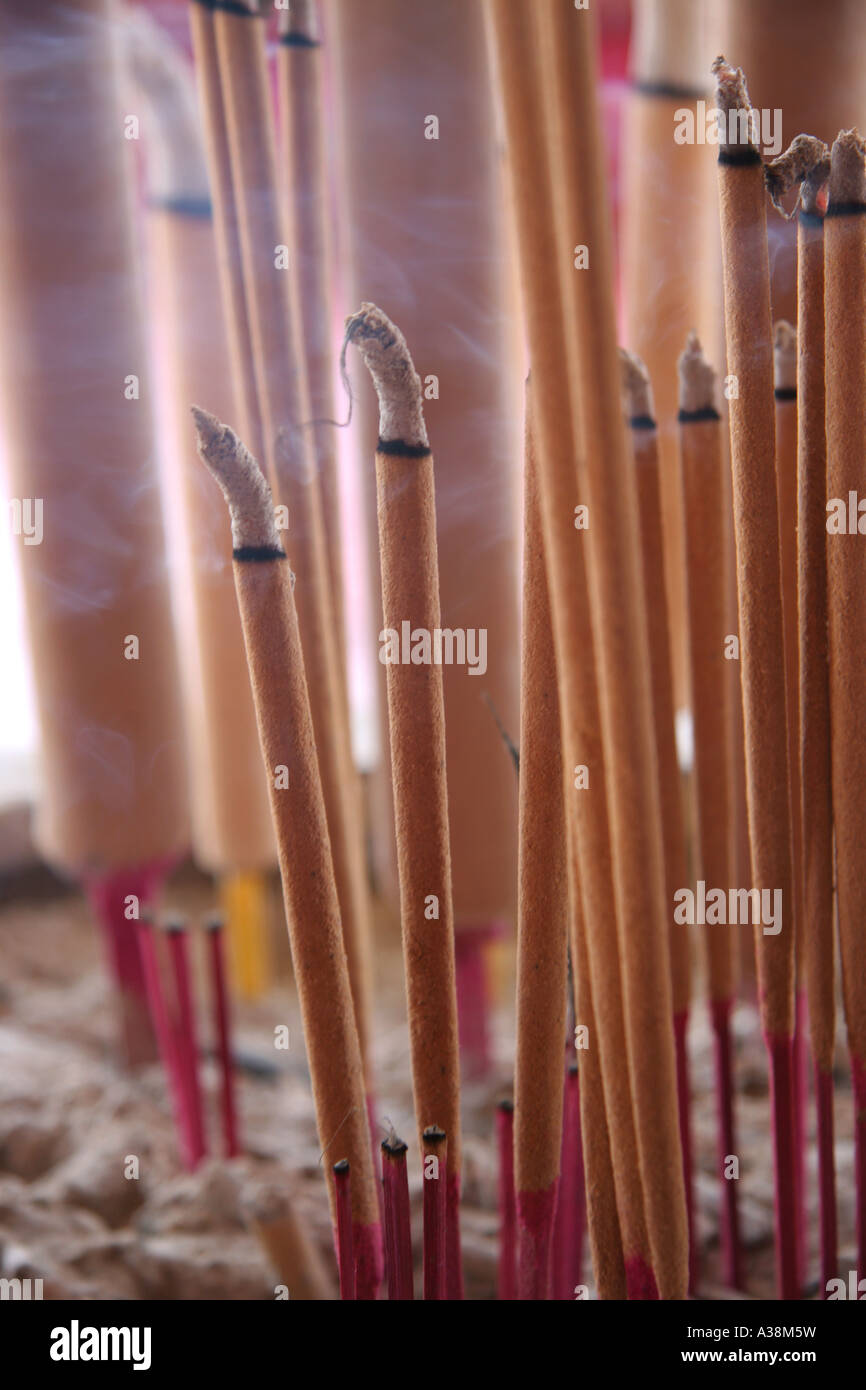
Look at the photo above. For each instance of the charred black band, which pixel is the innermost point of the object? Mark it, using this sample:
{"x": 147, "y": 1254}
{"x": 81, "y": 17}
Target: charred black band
{"x": 257, "y": 554}
{"x": 293, "y": 40}
{"x": 641, "y": 422}
{"x": 230, "y": 7}
{"x": 672, "y": 90}
{"x": 785, "y": 393}
{"x": 394, "y": 1148}
{"x": 691, "y": 417}
{"x": 433, "y": 1135}
{"x": 341, "y": 1167}
{"x": 846, "y": 210}
{"x": 744, "y": 158}
{"x": 184, "y": 207}
{"x": 811, "y": 219}
{"x": 399, "y": 446}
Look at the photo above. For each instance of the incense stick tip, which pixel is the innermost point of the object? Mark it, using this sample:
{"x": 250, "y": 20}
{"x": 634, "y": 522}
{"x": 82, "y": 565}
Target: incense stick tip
{"x": 785, "y": 356}
{"x": 697, "y": 378}
{"x": 398, "y": 385}
{"x": 637, "y": 393}
{"x": 731, "y": 91}
{"x": 848, "y": 168}
{"x": 806, "y": 161}
{"x": 242, "y": 482}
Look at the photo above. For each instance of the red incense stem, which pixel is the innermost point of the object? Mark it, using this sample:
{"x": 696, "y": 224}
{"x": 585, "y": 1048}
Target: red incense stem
{"x": 826, "y": 1175}
{"x": 345, "y": 1239}
{"x": 186, "y": 1044}
{"x": 398, "y": 1228}
{"x": 781, "y": 1053}
{"x": 858, "y": 1078}
{"x": 110, "y": 897}
{"x": 801, "y": 1115}
{"x": 684, "y": 1104}
{"x": 222, "y": 1028}
{"x": 507, "y": 1206}
{"x": 732, "y": 1256}
{"x": 570, "y": 1225}
{"x": 472, "y": 996}
{"x": 453, "y": 1256}
{"x": 435, "y": 1192}
{"x": 165, "y": 1040}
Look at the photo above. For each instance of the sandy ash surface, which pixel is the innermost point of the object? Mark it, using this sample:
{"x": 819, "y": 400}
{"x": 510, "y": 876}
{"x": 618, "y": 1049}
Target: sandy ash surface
{"x": 70, "y": 1117}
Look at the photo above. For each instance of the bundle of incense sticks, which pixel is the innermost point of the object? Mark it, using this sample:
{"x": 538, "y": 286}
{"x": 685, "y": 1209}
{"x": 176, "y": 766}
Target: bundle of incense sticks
{"x": 629, "y": 893}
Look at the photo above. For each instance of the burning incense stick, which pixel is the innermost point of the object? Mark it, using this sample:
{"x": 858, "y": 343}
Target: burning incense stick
{"x": 750, "y": 361}
{"x": 816, "y": 806}
{"x": 398, "y": 1230}
{"x": 276, "y": 663}
{"x": 232, "y": 835}
{"x": 281, "y": 380}
{"x": 640, "y": 413}
{"x": 434, "y": 1144}
{"x": 410, "y": 595}
{"x": 669, "y": 248}
{"x": 567, "y": 51}
{"x": 558, "y": 489}
{"x": 845, "y": 326}
{"x": 222, "y": 1029}
{"x": 785, "y": 378}
{"x": 701, "y": 466}
{"x": 542, "y": 922}
{"x": 300, "y": 79}
{"x": 226, "y": 230}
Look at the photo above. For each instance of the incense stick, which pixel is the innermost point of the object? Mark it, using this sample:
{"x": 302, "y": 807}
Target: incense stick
{"x": 816, "y": 804}
{"x": 222, "y": 1029}
{"x": 398, "y": 1231}
{"x": 640, "y": 412}
{"x": 570, "y": 1224}
{"x": 785, "y": 391}
{"x": 701, "y": 467}
{"x": 750, "y": 361}
{"x": 300, "y": 85}
{"x": 410, "y": 597}
{"x": 582, "y": 742}
{"x": 434, "y": 1149}
{"x": 276, "y": 662}
{"x": 283, "y": 394}
{"x": 567, "y": 51}
{"x": 845, "y": 327}
{"x": 168, "y": 1049}
{"x": 542, "y": 916}
{"x": 345, "y": 1231}
{"x": 184, "y": 1030}
{"x": 507, "y": 1283}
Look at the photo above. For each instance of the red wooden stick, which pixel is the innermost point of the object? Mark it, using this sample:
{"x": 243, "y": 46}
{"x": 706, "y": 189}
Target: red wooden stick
{"x": 684, "y": 1103}
{"x": 730, "y": 1220}
{"x": 165, "y": 1040}
{"x": 781, "y": 1051}
{"x": 186, "y": 1046}
{"x": 570, "y": 1227}
{"x": 435, "y": 1144}
{"x": 507, "y": 1204}
{"x": 801, "y": 1139}
{"x": 345, "y": 1243}
{"x": 109, "y": 895}
{"x": 398, "y": 1228}
{"x": 826, "y": 1175}
{"x": 222, "y": 1028}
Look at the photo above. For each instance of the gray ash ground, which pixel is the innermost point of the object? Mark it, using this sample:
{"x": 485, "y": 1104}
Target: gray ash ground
{"x": 70, "y": 1116}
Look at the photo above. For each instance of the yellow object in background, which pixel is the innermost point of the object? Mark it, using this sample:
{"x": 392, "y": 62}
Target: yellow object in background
{"x": 245, "y": 904}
